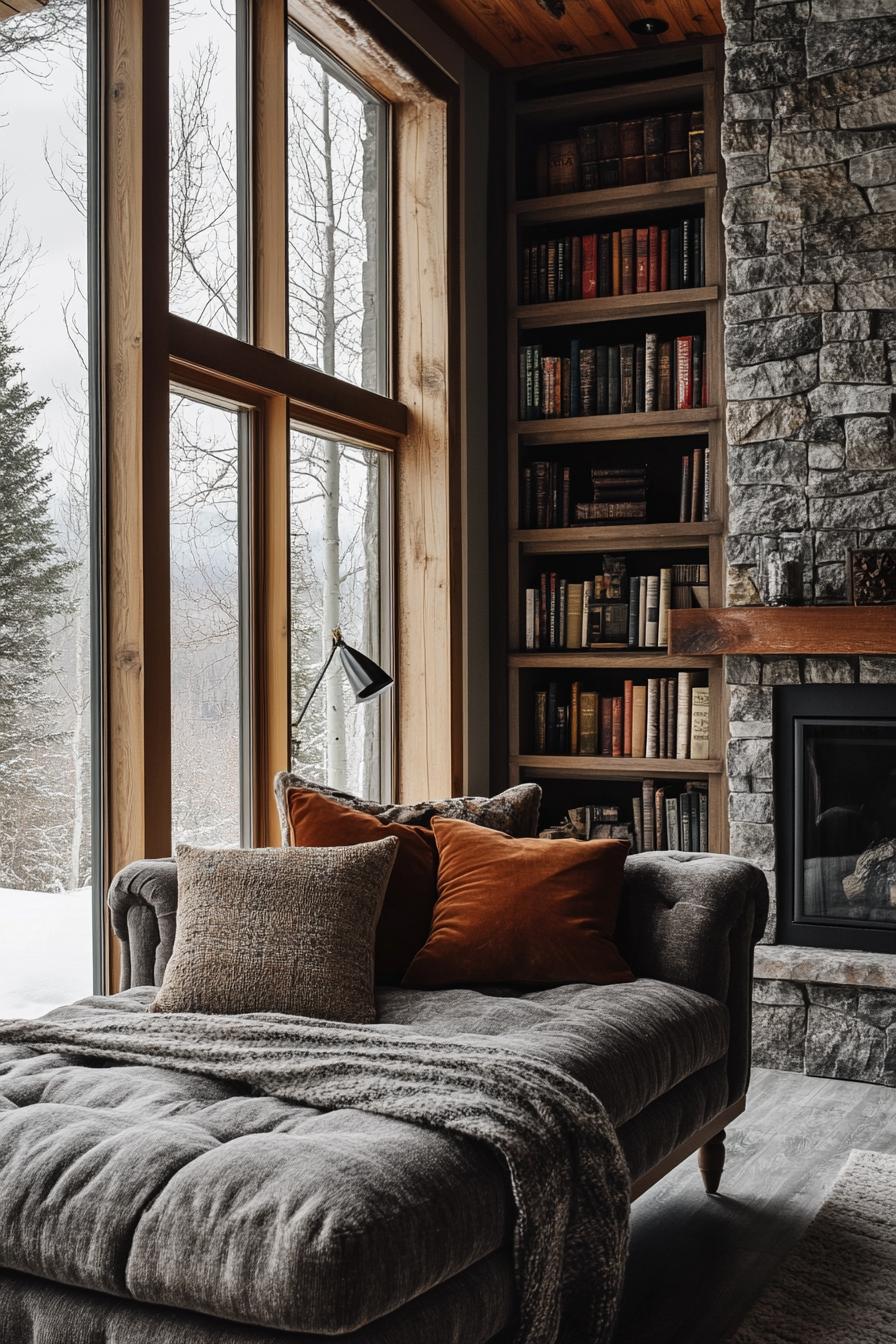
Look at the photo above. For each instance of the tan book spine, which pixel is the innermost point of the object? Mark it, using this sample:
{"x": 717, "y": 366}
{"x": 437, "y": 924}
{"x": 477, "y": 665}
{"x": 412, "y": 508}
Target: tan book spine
{"x": 627, "y": 718}
{"x": 683, "y": 718}
{"x": 700, "y": 723}
{"x": 574, "y": 599}
{"x": 662, "y": 746}
{"x": 639, "y": 721}
{"x": 587, "y": 723}
{"x": 616, "y": 726}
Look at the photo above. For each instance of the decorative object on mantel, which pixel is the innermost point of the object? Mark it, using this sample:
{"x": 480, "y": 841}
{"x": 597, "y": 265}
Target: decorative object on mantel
{"x": 783, "y": 630}
{"x": 782, "y": 581}
{"x": 872, "y": 576}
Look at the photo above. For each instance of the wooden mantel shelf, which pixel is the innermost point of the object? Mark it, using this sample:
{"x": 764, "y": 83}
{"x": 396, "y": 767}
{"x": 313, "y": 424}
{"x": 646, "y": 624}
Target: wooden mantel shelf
{"x": 793, "y": 630}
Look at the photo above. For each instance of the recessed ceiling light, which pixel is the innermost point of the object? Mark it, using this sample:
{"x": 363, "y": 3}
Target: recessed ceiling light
{"x": 648, "y": 27}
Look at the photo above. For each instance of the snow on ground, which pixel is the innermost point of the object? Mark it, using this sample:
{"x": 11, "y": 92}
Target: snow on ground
{"x": 46, "y": 950}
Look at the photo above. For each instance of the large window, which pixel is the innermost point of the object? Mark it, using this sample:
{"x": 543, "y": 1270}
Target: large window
{"x": 206, "y": 717}
{"x": 46, "y": 479}
{"x": 337, "y": 193}
{"x": 339, "y": 577}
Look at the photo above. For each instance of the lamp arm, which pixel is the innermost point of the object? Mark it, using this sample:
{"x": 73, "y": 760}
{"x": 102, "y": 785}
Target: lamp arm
{"x": 320, "y": 676}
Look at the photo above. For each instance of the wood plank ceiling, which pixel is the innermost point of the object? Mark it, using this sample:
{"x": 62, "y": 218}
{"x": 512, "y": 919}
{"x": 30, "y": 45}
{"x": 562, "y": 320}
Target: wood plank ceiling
{"x": 10, "y": 7}
{"x": 526, "y": 32}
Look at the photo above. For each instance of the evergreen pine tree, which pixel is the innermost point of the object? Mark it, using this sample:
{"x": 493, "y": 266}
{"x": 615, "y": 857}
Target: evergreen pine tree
{"x": 32, "y": 592}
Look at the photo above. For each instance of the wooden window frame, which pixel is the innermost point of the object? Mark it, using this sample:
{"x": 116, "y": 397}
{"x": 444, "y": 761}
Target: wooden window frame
{"x": 145, "y": 348}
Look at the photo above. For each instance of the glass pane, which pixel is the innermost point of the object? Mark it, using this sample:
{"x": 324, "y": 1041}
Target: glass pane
{"x": 336, "y": 559}
{"x": 334, "y": 136}
{"x": 204, "y": 200}
{"x": 848, "y": 823}
{"x": 46, "y": 948}
{"x": 205, "y": 623}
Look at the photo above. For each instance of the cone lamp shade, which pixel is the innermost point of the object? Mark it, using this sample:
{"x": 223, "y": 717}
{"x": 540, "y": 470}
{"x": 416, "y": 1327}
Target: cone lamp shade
{"x": 366, "y": 678}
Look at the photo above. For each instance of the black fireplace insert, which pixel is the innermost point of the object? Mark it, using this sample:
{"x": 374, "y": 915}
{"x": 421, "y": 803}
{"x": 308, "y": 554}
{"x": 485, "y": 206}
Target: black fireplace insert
{"x": 835, "y": 815}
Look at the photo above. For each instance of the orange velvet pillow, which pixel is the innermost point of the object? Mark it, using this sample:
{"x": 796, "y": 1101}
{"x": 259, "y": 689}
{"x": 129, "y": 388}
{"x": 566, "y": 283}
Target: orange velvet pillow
{"x": 529, "y": 912}
{"x": 404, "y": 924}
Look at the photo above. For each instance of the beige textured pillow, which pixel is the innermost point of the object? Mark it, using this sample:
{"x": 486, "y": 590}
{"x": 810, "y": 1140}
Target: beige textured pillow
{"x": 277, "y": 931}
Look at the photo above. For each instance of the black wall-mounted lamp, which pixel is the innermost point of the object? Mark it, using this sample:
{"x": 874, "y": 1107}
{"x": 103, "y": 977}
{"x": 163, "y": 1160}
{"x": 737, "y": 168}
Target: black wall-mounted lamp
{"x": 366, "y": 678}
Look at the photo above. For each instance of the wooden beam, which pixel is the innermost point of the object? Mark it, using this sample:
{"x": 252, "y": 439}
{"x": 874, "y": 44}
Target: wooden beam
{"x": 10, "y": 8}
{"x": 137, "y": 710}
{"x": 362, "y": 414}
{"x": 785, "y": 630}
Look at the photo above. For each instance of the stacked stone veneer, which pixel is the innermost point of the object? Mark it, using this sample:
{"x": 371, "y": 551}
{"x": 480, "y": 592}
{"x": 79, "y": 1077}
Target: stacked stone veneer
{"x": 809, "y": 141}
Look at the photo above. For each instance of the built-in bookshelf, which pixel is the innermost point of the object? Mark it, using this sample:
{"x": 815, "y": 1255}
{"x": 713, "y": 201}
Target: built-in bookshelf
{"x": 616, "y": 456}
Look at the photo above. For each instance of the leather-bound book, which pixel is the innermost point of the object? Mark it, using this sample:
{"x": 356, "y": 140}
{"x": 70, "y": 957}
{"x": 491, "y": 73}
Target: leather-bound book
{"x": 662, "y": 637}
{"x": 631, "y": 138}
{"x": 654, "y": 167}
{"x": 671, "y": 695}
{"x": 609, "y": 173}
{"x": 637, "y": 825}
{"x": 650, "y": 370}
{"x": 662, "y": 747}
{"x": 574, "y": 616}
{"x": 652, "y": 733}
{"x": 642, "y": 261}
{"x": 589, "y": 266}
{"x": 608, "y": 140}
{"x": 677, "y": 127}
{"x": 588, "y": 723}
{"x": 615, "y": 263}
{"x": 664, "y": 260}
{"x": 541, "y": 741}
{"x": 627, "y": 259}
{"x": 587, "y": 363}
{"x": 683, "y": 717}
{"x": 613, "y": 384}
{"x": 687, "y": 250}
{"x": 634, "y": 597}
{"x": 653, "y": 258}
{"x": 601, "y": 400}
{"x": 542, "y": 272}
{"x": 677, "y": 163}
{"x": 626, "y": 379}
{"x": 604, "y": 267}
{"x": 684, "y": 502}
{"x": 699, "y": 748}
{"x": 564, "y": 387}
{"x": 696, "y": 501}
{"x": 627, "y": 699}
{"x": 659, "y": 815}
{"x": 563, "y": 166}
{"x": 616, "y": 726}
{"x": 575, "y": 376}
{"x": 634, "y": 170}
{"x": 640, "y": 392}
{"x": 696, "y": 145}
{"x": 606, "y": 725}
{"x": 574, "y": 694}
{"x": 697, "y": 368}
{"x": 552, "y": 269}
{"x": 648, "y": 813}
{"x": 575, "y": 267}
{"x": 683, "y": 371}
{"x": 675, "y": 257}
{"x": 664, "y": 376}
{"x": 652, "y": 623}
{"x": 655, "y": 135}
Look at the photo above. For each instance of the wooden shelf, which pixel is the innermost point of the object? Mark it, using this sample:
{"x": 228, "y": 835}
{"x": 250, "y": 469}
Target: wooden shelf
{"x": 620, "y": 308}
{"x": 671, "y": 91}
{"x": 620, "y": 536}
{"x": 615, "y": 766}
{"x": 637, "y": 659}
{"x": 787, "y": 630}
{"x": 640, "y": 425}
{"x": 643, "y": 198}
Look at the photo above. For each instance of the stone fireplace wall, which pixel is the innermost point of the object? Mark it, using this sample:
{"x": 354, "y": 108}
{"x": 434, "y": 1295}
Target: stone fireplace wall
{"x": 809, "y": 141}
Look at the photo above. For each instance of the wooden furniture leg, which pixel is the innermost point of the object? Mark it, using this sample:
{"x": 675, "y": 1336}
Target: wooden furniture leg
{"x": 711, "y": 1161}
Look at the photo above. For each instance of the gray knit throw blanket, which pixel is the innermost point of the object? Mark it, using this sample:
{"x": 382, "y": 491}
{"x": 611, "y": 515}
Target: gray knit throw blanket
{"x": 569, "y": 1180}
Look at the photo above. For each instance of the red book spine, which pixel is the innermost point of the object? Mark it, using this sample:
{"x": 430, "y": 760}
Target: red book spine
{"x": 642, "y": 261}
{"x": 683, "y": 354}
{"x": 606, "y": 725}
{"x": 589, "y": 266}
{"x": 627, "y": 689}
{"x": 664, "y": 259}
{"x": 653, "y": 258}
{"x": 616, "y": 725}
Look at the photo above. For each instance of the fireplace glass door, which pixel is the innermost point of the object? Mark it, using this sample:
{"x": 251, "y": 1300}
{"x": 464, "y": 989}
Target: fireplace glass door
{"x": 841, "y": 828}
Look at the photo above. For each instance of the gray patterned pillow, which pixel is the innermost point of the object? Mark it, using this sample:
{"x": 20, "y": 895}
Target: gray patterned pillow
{"x": 277, "y": 931}
{"x": 514, "y": 811}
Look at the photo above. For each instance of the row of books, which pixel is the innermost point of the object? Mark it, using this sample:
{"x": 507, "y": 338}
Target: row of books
{"x": 619, "y": 494}
{"x": 661, "y": 718}
{"x": 563, "y": 614}
{"x": 652, "y": 375}
{"x": 606, "y": 265}
{"x": 591, "y": 822}
{"x": 622, "y": 153}
{"x": 663, "y": 820}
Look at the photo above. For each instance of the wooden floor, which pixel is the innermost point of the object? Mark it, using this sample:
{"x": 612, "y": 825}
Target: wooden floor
{"x": 698, "y": 1262}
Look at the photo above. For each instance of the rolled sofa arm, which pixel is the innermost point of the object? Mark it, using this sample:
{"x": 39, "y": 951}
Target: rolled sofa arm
{"x": 693, "y": 920}
{"x": 143, "y": 907}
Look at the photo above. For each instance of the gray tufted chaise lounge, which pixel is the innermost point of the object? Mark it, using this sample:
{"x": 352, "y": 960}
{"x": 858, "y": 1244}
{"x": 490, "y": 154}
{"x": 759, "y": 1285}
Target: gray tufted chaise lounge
{"x": 407, "y": 1233}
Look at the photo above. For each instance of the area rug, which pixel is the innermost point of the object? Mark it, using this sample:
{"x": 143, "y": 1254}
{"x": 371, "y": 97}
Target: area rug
{"x": 839, "y": 1285}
